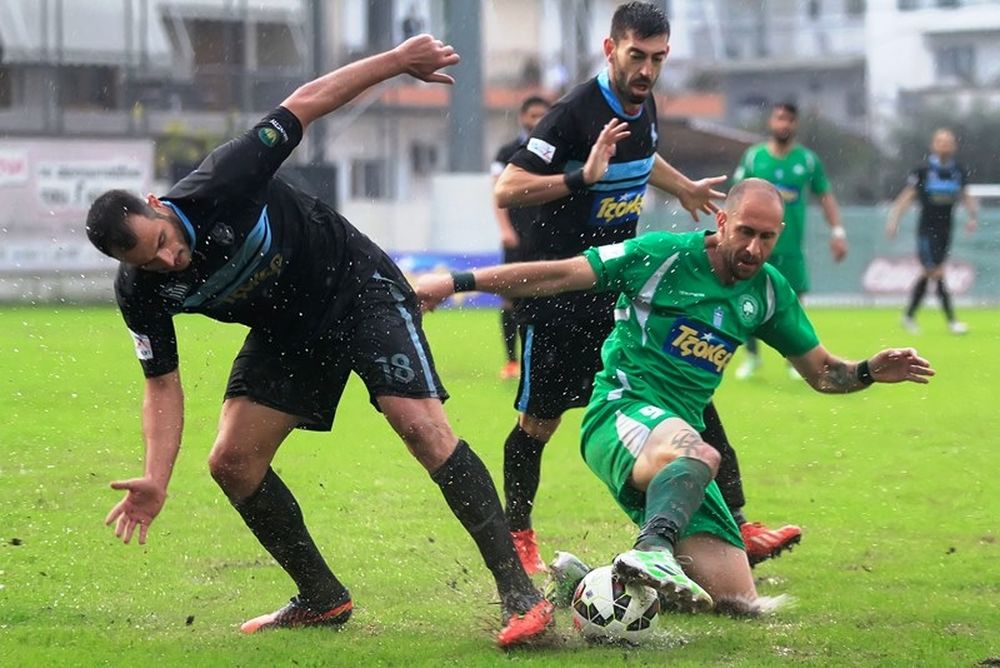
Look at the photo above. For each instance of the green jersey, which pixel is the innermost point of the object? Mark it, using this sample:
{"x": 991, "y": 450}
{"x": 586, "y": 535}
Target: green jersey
{"x": 677, "y": 326}
{"x": 792, "y": 175}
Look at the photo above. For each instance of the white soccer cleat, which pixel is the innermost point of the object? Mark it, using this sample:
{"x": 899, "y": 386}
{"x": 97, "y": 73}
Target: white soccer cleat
{"x": 748, "y": 368}
{"x": 910, "y": 325}
{"x": 956, "y": 327}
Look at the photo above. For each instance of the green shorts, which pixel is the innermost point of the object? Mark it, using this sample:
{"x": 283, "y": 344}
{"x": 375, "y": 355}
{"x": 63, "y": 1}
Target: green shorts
{"x": 613, "y": 435}
{"x": 793, "y": 267}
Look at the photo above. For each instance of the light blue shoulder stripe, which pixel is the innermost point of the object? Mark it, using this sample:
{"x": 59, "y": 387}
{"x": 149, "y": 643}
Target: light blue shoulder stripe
{"x": 604, "y": 83}
{"x": 188, "y": 227}
{"x": 235, "y": 272}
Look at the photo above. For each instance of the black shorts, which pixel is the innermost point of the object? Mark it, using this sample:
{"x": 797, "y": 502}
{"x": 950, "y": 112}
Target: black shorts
{"x": 381, "y": 340}
{"x": 515, "y": 254}
{"x": 558, "y": 364}
{"x": 933, "y": 246}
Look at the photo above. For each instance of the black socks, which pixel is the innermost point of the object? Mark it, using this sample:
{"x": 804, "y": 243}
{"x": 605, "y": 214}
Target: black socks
{"x": 916, "y": 296}
{"x": 471, "y": 495}
{"x": 522, "y": 469}
{"x": 274, "y": 517}
{"x": 509, "y": 326}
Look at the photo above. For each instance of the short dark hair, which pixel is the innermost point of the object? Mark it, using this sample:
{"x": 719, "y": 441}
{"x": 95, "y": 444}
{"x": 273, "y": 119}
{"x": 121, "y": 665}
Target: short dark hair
{"x": 642, "y": 18}
{"x": 790, "y": 107}
{"x": 532, "y": 101}
{"x": 106, "y": 221}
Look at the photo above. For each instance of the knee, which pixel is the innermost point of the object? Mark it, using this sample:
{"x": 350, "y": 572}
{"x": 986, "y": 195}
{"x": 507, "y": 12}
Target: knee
{"x": 540, "y": 429}
{"x": 703, "y": 452}
{"x": 430, "y": 441}
{"x": 228, "y": 470}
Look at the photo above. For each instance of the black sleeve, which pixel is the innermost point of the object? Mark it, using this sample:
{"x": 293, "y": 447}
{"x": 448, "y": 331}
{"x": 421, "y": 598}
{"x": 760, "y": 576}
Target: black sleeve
{"x": 551, "y": 144}
{"x": 242, "y": 165}
{"x": 148, "y": 321}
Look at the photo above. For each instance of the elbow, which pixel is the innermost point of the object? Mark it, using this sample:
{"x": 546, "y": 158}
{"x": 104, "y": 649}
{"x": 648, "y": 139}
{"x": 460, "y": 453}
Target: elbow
{"x": 502, "y": 195}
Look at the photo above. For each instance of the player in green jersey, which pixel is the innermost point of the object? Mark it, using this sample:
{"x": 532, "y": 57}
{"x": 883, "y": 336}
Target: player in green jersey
{"x": 795, "y": 171}
{"x": 687, "y": 302}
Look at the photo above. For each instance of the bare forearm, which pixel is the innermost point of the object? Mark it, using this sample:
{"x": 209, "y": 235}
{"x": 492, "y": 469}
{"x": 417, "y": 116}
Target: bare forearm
{"x": 331, "y": 91}
{"x": 518, "y": 187}
{"x": 831, "y": 211}
{"x": 838, "y": 377}
{"x": 536, "y": 279}
{"x": 971, "y": 204}
{"x": 162, "y": 425}
{"x": 668, "y": 178}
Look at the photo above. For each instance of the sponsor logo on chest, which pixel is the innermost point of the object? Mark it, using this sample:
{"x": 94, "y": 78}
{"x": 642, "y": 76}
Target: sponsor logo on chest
{"x": 697, "y": 345}
{"x": 619, "y": 208}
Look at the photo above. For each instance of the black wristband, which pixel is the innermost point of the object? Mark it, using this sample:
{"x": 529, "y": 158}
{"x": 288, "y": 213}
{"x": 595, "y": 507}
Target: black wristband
{"x": 865, "y": 373}
{"x": 465, "y": 281}
{"x": 574, "y": 181}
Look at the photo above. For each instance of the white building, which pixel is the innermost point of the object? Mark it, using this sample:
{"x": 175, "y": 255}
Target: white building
{"x": 931, "y": 52}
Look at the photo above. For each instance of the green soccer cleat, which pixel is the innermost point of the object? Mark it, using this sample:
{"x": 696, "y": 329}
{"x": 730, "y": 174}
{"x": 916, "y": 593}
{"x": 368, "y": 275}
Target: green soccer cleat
{"x": 565, "y": 573}
{"x": 659, "y": 569}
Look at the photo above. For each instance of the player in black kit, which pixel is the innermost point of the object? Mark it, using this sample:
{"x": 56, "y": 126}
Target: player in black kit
{"x": 938, "y": 184}
{"x": 513, "y": 223}
{"x": 586, "y": 167}
{"x": 235, "y": 243}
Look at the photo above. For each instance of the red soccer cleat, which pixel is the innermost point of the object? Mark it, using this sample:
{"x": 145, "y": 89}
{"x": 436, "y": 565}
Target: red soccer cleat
{"x": 297, "y": 614}
{"x": 763, "y": 543}
{"x": 527, "y": 551}
{"x": 510, "y": 371}
{"x": 521, "y": 629}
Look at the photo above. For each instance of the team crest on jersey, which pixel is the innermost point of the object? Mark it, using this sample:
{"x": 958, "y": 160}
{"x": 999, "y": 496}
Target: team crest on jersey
{"x": 175, "y": 292}
{"x": 699, "y": 346}
{"x": 222, "y": 234}
{"x": 618, "y": 208}
{"x": 268, "y": 136}
{"x": 748, "y": 308}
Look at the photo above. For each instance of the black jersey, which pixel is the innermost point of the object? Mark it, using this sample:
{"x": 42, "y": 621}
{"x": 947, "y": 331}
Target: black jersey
{"x": 521, "y": 217}
{"x": 939, "y": 186}
{"x": 608, "y": 212}
{"x": 262, "y": 253}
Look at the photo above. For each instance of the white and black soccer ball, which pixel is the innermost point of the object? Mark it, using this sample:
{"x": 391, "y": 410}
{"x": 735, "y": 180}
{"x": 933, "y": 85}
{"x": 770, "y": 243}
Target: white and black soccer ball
{"x": 606, "y": 610}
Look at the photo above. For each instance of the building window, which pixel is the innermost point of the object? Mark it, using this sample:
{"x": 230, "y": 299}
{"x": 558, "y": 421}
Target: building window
{"x": 368, "y": 179}
{"x": 815, "y": 8}
{"x": 956, "y": 62}
{"x": 423, "y": 157}
{"x": 906, "y": 5}
{"x": 6, "y": 88}
{"x": 949, "y": 3}
{"x": 856, "y": 7}
{"x": 856, "y": 104}
{"x": 88, "y": 87}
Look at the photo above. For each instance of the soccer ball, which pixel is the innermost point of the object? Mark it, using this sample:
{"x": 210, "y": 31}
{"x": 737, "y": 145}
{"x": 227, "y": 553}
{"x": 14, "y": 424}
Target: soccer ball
{"x": 606, "y": 610}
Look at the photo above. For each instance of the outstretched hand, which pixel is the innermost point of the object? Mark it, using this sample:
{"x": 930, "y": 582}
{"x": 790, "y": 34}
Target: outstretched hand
{"x": 603, "y": 150}
{"x": 897, "y": 365}
{"x": 142, "y": 503}
{"x": 698, "y": 199}
{"x": 423, "y": 55}
{"x": 432, "y": 289}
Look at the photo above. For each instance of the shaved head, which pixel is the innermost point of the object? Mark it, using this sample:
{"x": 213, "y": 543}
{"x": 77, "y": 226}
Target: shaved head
{"x": 754, "y": 185}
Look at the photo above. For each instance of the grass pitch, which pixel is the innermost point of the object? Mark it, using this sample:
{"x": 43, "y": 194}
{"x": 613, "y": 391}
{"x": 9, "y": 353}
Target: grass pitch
{"x": 895, "y": 488}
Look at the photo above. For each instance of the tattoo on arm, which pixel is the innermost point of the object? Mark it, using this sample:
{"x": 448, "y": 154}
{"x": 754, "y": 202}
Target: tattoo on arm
{"x": 839, "y": 376}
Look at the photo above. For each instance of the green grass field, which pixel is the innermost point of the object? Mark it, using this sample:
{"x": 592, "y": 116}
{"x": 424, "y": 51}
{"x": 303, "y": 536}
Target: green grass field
{"x": 895, "y": 488}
